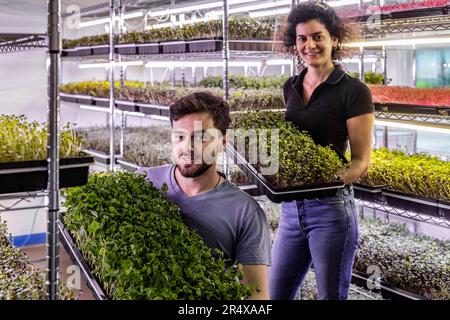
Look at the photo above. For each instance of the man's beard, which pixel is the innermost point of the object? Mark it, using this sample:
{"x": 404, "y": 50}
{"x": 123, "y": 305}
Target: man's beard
{"x": 193, "y": 170}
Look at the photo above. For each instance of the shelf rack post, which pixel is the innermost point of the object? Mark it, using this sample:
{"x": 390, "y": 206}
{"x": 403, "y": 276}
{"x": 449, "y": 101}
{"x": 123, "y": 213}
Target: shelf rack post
{"x": 226, "y": 50}
{"x": 54, "y": 49}
{"x": 111, "y": 85}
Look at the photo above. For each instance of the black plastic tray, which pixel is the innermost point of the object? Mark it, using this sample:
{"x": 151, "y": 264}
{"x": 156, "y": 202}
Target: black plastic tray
{"x": 444, "y": 209}
{"x": 278, "y": 195}
{"x": 179, "y": 46}
{"x": 206, "y": 45}
{"x": 77, "y": 52}
{"x": 368, "y": 193}
{"x": 410, "y": 202}
{"x": 411, "y": 109}
{"x": 101, "y": 102}
{"x": 28, "y": 176}
{"x": 387, "y": 291}
{"x": 149, "y": 48}
{"x": 69, "y": 244}
{"x": 100, "y": 50}
{"x": 68, "y": 97}
{"x": 251, "y": 45}
{"x": 126, "y": 49}
{"x": 84, "y": 99}
{"x": 152, "y": 109}
{"x": 126, "y": 105}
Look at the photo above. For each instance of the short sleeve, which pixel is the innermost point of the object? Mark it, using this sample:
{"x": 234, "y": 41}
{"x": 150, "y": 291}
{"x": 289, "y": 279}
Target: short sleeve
{"x": 359, "y": 100}
{"x": 286, "y": 89}
{"x": 254, "y": 243}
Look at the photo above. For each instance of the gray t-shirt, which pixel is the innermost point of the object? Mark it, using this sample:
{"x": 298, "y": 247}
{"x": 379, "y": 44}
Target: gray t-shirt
{"x": 225, "y": 217}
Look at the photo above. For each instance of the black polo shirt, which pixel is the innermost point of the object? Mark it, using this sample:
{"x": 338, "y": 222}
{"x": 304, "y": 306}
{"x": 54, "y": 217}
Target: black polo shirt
{"x": 339, "y": 98}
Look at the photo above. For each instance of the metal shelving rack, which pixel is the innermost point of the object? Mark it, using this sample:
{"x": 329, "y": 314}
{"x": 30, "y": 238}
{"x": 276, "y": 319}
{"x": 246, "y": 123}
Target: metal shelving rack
{"x": 14, "y": 42}
{"x": 10, "y": 43}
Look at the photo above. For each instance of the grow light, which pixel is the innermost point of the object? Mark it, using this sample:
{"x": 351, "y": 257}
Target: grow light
{"x": 106, "y": 64}
{"x": 205, "y": 64}
{"x": 356, "y": 60}
{"x": 91, "y": 23}
{"x": 196, "y": 7}
{"x": 399, "y": 42}
{"x": 412, "y": 126}
{"x": 92, "y": 108}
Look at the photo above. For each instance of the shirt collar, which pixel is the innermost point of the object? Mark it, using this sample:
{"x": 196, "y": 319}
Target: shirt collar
{"x": 334, "y": 77}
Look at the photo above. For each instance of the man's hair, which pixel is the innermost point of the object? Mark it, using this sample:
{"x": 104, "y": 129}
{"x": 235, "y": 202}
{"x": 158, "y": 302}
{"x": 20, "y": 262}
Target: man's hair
{"x": 199, "y": 102}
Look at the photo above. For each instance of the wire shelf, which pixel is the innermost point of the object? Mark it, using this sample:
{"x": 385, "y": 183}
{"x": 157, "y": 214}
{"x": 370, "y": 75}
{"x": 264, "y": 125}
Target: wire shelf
{"x": 405, "y": 214}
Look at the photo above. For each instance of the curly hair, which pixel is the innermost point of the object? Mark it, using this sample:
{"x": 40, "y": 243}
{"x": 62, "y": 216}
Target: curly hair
{"x": 326, "y": 15}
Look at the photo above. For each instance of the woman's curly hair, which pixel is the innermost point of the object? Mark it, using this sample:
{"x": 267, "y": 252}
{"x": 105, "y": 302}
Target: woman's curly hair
{"x": 326, "y": 15}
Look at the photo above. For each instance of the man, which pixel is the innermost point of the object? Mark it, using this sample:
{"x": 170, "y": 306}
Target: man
{"x": 223, "y": 215}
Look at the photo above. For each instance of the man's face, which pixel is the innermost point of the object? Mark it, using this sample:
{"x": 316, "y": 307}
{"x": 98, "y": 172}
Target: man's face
{"x": 195, "y": 144}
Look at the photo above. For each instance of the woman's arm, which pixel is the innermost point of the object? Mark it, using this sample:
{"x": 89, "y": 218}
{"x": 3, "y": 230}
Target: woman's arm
{"x": 360, "y": 130}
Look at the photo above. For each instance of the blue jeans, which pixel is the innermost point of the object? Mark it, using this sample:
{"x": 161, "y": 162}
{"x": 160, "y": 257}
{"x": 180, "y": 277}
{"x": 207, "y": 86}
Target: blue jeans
{"x": 323, "y": 232}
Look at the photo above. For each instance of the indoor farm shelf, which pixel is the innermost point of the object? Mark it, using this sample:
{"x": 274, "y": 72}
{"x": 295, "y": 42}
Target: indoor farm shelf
{"x": 418, "y": 183}
{"x": 244, "y": 34}
{"x": 22, "y": 164}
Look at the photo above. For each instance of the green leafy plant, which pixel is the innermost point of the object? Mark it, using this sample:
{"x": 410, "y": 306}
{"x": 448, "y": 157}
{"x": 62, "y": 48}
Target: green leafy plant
{"x": 21, "y": 140}
{"x": 138, "y": 246}
{"x": 371, "y": 77}
{"x": 301, "y": 161}
{"x": 18, "y": 279}
{"x": 239, "y": 28}
{"x": 243, "y": 82}
{"x": 413, "y": 263}
{"x": 418, "y": 174}
{"x": 165, "y": 95}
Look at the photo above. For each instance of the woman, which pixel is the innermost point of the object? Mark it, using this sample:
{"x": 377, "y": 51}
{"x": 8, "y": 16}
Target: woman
{"x": 335, "y": 109}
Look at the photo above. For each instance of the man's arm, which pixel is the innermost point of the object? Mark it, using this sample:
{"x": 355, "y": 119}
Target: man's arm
{"x": 256, "y": 274}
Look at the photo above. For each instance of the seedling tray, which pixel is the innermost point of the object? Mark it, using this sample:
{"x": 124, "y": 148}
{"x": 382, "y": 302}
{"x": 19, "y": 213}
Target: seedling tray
{"x": 101, "y": 102}
{"x": 68, "y": 97}
{"x": 153, "y": 109}
{"x": 444, "y": 209}
{"x": 206, "y": 45}
{"x": 76, "y": 256}
{"x": 278, "y": 195}
{"x": 368, "y": 193}
{"x": 149, "y": 48}
{"x": 410, "y": 202}
{"x": 126, "y": 49}
{"x": 28, "y": 176}
{"x": 180, "y": 46}
{"x": 77, "y": 52}
{"x": 410, "y": 109}
{"x": 100, "y": 50}
{"x": 126, "y": 105}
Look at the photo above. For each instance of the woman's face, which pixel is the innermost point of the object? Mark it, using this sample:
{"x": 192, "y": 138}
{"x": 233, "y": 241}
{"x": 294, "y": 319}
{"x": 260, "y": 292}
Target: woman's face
{"x": 314, "y": 43}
